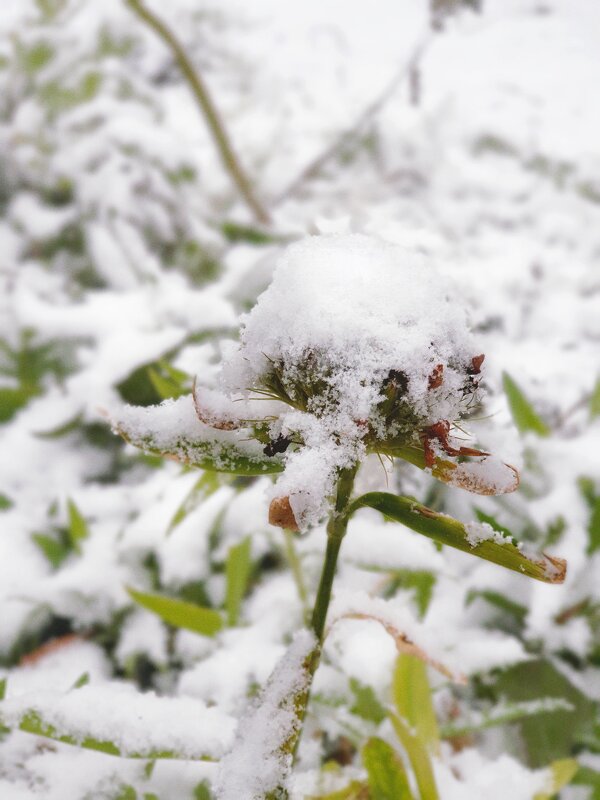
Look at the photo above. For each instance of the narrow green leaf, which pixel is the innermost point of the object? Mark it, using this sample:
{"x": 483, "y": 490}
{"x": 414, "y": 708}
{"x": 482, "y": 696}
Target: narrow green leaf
{"x": 366, "y": 704}
{"x": 504, "y": 714}
{"x": 442, "y": 528}
{"x": 206, "y": 485}
{"x": 412, "y": 698}
{"x": 179, "y": 613}
{"x": 386, "y": 775}
{"x": 78, "y": 529}
{"x": 595, "y": 401}
{"x": 516, "y": 610}
{"x": 237, "y": 573}
{"x": 2, "y": 688}
{"x": 561, "y": 773}
{"x": 172, "y": 429}
{"x": 524, "y": 415}
{"x": 5, "y": 502}
{"x": 127, "y": 792}
{"x": 32, "y": 721}
{"x": 82, "y": 680}
{"x": 356, "y": 790}
{"x": 594, "y": 527}
{"x": 165, "y": 387}
{"x": 492, "y": 522}
{"x": 54, "y": 549}
{"x": 419, "y": 758}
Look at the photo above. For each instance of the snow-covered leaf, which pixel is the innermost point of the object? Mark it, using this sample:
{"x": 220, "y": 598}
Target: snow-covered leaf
{"x": 474, "y": 538}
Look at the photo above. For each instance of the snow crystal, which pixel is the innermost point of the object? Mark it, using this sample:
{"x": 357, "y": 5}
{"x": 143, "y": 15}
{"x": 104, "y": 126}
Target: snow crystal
{"x": 258, "y": 764}
{"x": 478, "y": 532}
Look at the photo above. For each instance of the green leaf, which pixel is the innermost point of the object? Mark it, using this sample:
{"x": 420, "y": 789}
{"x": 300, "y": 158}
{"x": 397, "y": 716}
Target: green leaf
{"x": 412, "y": 698}
{"x": 446, "y": 530}
{"x": 55, "y": 550}
{"x": 354, "y": 791}
{"x": 561, "y": 773}
{"x": 202, "y": 791}
{"x": 206, "y": 485}
{"x": 595, "y": 401}
{"x": 366, "y": 705}
{"x": 82, "y": 680}
{"x": 32, "y": 721}
{"x": 234, "y": 232}
{"x": 237, "y": 573}
{"x": 524, "y": 415}
{"x": 492, "y": 522}
{"x": 78, "y": 529}
{"x": 504, "y": 714}
{"x": 516, "y": 610}
{"x": 2, "y": 688}
{"x": 5, "y": 502}
{"x": 157, "y": 430}
{"x": 546, "y": 736}
{"x": 419, "y": 758}
{"x": 180, "y": 614}
{"x": 126, "y": 792}
{"x": 386, "y": 775}
{"x": 166, "y": 387}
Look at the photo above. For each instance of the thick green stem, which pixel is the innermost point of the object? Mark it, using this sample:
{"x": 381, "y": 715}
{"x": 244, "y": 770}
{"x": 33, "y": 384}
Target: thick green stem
{"x": 336, "y": 529}
{"x": 207, "y": 107}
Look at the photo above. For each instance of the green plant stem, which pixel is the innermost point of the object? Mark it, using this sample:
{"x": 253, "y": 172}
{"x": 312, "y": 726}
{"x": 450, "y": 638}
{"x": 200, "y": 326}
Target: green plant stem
{"x": 336, "y": 530}
{"x": 295, "y": 566}
{"x": 208, "y": 109}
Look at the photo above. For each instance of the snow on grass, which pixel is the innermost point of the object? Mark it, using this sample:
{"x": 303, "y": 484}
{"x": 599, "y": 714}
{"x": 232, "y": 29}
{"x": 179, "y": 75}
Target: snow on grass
{"x": 133, "y": 722}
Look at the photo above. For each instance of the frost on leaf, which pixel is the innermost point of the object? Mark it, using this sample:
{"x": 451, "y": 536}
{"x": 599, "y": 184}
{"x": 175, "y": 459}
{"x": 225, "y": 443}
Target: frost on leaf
{"x": 261, "y": 758}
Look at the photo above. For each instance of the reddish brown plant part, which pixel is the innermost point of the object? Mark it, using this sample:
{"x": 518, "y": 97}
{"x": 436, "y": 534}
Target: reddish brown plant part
{"x": 476, "y": 363}
{"x": 440, "y": 432}
{"x": 48, "y": 648}
{"x": 436, "y": 377}
{"x": 281, "y": 514}
{"x": 214, "y": 421}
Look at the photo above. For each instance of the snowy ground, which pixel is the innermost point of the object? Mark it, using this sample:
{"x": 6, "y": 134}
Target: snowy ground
{"x": 117, "y": 265}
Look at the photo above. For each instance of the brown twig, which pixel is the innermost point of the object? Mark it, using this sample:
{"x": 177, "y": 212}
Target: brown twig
{"x": 354, "y": 130}
{"x": 208, "y": 109}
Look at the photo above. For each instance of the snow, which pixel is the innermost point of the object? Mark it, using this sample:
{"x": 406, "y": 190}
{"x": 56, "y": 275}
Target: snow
{"x": 135, "y": 723}
{"x": 259, "y": 761}
{"x": 479, "y": 171}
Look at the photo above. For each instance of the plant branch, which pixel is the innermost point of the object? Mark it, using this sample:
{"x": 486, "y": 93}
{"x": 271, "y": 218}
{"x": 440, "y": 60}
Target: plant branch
{"x": 207, "y": 107}
{"x": 295, "y": 566}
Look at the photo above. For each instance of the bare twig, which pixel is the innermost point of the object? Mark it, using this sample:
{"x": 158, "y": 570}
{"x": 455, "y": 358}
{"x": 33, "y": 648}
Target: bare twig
{"x": 353, "y": 131}
{"x": 208, "y": 109}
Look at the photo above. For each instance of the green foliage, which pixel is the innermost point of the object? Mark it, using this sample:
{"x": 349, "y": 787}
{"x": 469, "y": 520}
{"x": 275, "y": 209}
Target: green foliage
{"x": 592, "y": 498}
{"x": 5, "y": 502}
{"x": 366, "y": 705}
{"x": 77, "y": 529}
{"x": 595, "y": 401}
{"x": 55, "y": 548}
{"x": 386, "y": 774}
{"x": 445, "y": 530}
{"x": 554, "y": 734}
{"x": 179, "y": 613}
{"x": 237, "y": 573}
{"x": 206, "y": 485}
{"x": 412, "y": 699}
{"x": 561, "y": 773}
{"x": 524, "y": 415}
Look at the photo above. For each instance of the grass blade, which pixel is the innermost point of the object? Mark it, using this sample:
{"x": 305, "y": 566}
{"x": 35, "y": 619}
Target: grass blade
{"x": 179, "y": 613}
{"x": 471, "y": 538}
{"x": 237, "y": 574}
{"x": 412, "y": 698}
{"x": 523, "y": 413}
{"x": 386, "y": 773}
